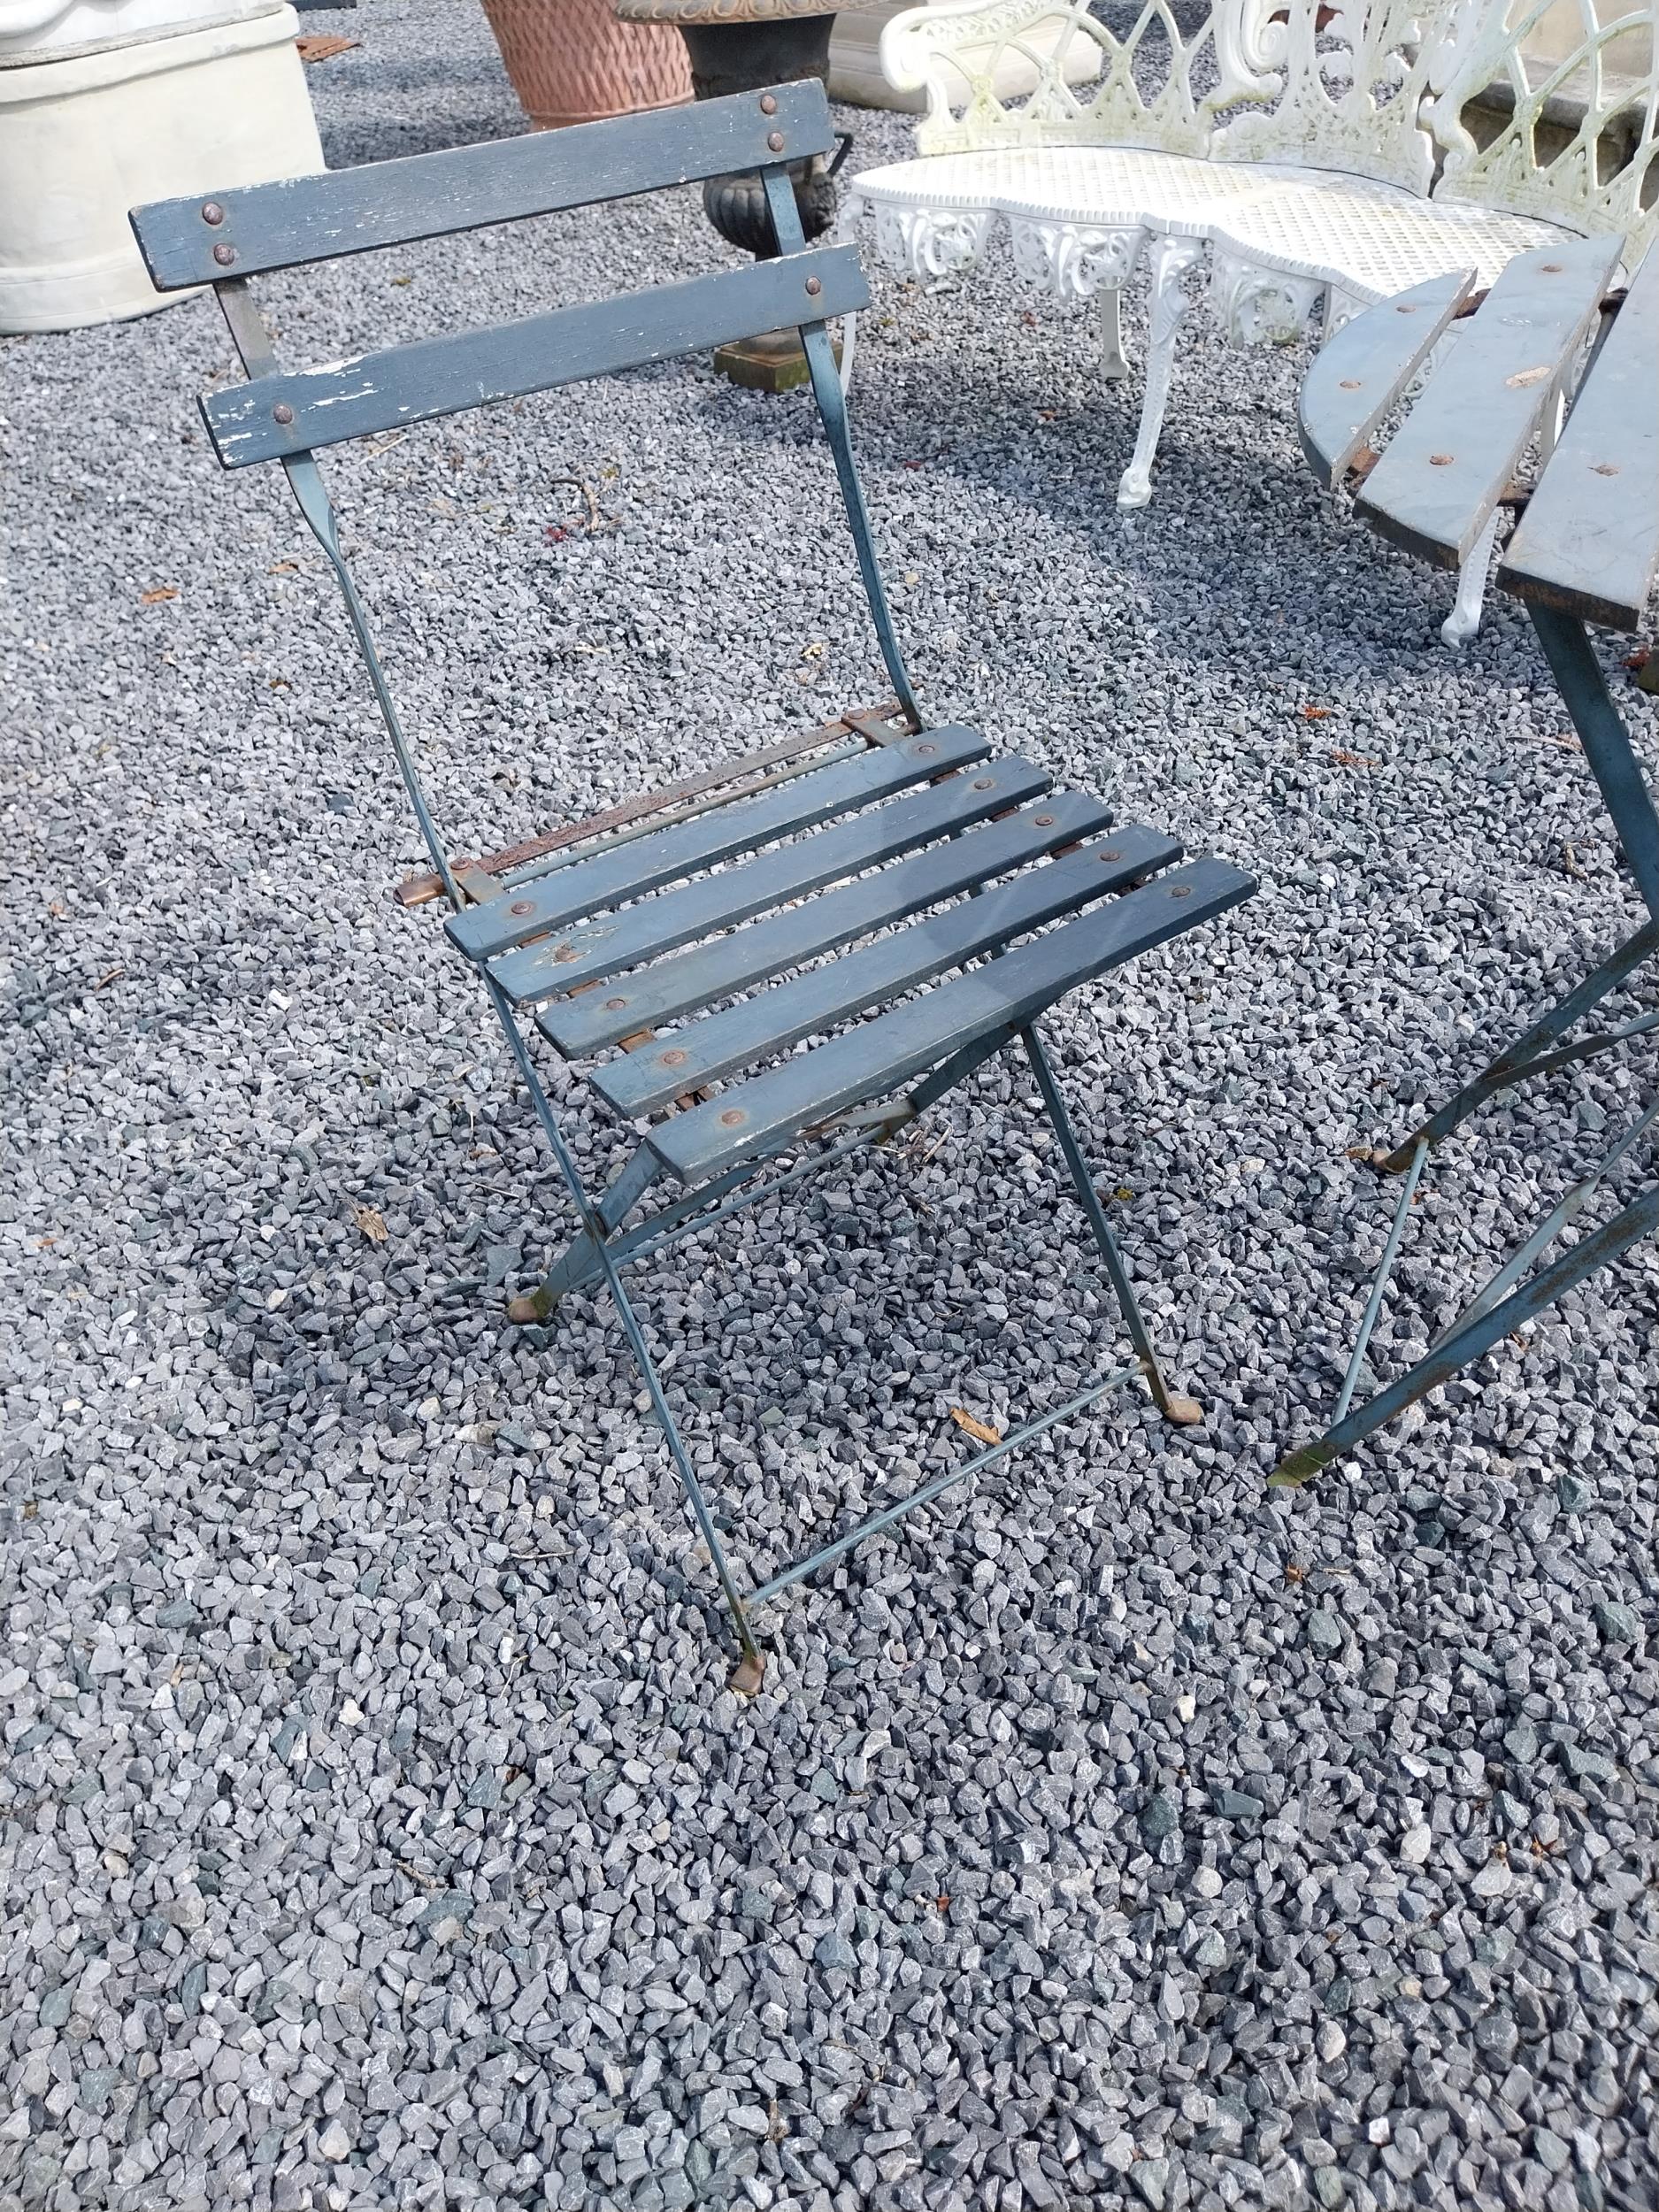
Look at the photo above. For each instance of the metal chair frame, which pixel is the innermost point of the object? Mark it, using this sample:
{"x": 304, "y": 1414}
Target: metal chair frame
{"x": 507, "y": 911}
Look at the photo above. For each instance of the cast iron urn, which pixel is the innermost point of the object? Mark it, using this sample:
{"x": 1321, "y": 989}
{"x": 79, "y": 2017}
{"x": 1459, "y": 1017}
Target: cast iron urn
{"x": 744, "y": 46}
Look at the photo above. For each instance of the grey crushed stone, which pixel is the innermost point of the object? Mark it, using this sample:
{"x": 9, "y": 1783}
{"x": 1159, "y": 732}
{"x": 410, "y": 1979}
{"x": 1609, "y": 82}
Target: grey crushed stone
{"x": 376, "y": 1830}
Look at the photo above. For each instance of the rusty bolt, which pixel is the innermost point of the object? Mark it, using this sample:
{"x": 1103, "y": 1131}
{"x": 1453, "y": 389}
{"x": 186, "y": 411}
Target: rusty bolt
{"x": 814, "y": 286}
{"x": 1112, "y": 853}
{"x": 732, "y": 1116}
{"x": 769, "y": 103}
{"x": 984, "y": 783}
{"x": 674, "y": 1059}
{"x": 774, "y": 141}
{"x": 1180, "y": 890}
{"x": 224, "y": 255}
{"x": 519, "y": 907}
{"x": 213, "y": 212}
{"x": 1440, "y": 460}
{"x": 615, "y": 1005}
{"x": 1349, "y": 384}
{"x": 1043, "y": 821}
{"x": 282, "y": 412}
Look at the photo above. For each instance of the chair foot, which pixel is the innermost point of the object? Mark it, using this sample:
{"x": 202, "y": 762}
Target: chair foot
{"x": 1301, "y": 1466}
{"x": 531, "y": 1306}
{"x": 1135, "y": 490}
{"x": 1183, "y": 1411}
{"x": 748, "y": 1675}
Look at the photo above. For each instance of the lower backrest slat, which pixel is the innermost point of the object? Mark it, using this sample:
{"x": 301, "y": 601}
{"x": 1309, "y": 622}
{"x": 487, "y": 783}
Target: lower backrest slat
{"x": 275, "y": 417}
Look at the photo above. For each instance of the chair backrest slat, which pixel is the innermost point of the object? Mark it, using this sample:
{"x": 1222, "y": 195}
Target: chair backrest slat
{"x": 239, "y": 232}
{"x": 274, "y": 418}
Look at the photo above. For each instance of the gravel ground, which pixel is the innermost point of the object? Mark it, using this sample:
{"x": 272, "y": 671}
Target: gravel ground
{"x": 377, "y": 1829}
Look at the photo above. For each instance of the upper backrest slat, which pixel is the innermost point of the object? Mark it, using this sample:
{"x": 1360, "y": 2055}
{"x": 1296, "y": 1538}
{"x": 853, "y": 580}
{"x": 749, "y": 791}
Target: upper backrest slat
{"x": 276, "y": 417}
{"x": 239, "y": 231}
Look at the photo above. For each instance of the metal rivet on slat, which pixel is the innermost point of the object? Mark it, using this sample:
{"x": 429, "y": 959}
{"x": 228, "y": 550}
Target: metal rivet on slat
{"x": 282, "y": 412}
{"x": 213, "y": 212}
{"x": 1550, "y": 268}
{"x": 566, "y": 952}
{"x": 984, "y": 783}
{"x": 774, "y": 141}
{"x": 769, "y": 103}
{"x": 1349, "y": 384}
{"x": 615, "y": 1005}
{"x": 732, "y": 1116}
{"x": 674, "y": 1059}
{"x": 1112, "y": 853}
{"x": 923, "y": 751}
{"x": 814, "y": 286}
{"x": 1440, "y": 460}
{"x": 1180, "y": 890}
{"x": 519, "y": 907}
{"x": 1606, "y": 468}
{"x": 1405, "y": 308}
{"x": 1043, "y": 821}
{"x": 224, "y": 255}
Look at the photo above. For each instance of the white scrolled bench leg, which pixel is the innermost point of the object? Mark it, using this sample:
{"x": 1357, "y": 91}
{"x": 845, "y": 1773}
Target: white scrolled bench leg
{"x": 1114, "y": 363}
{"x": 1464, "y": 619}
{"x": 1168, "y": 259}
{"x": 1076, "y": 262}
{"x": 845, "y": 233}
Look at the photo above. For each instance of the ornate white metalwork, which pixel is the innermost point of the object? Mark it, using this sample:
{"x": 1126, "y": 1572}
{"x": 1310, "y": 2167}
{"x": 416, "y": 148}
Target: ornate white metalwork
{"x": 1306, "y": 166}
{"x": 1072, "y": 80}
{"x": 1260, "y": 307}
{"x": 1347, "y": 94}
{"x": 931, "y": 242}
{"x": 1557, "y": 158}
{"x": 1074, "y": 260}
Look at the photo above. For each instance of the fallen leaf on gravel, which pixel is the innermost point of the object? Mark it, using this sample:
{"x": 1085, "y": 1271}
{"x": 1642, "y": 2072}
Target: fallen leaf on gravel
{"x": 154, "y": 598}
{"x": 371, "y": 1222}
{"x": 986, "y": 1434}
{"x": 1316, "y": 714}
{"x": 1344, "y": 759}
{"x": 324, "y": 45}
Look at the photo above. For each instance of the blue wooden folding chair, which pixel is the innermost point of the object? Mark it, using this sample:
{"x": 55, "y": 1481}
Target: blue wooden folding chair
{"x": 888, "y": 887}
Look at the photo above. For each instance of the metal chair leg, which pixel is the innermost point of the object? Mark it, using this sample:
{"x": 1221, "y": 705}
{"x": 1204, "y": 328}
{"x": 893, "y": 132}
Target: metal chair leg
{"x": 1173, "y": 1404}
{"x": 751, "y": 1666}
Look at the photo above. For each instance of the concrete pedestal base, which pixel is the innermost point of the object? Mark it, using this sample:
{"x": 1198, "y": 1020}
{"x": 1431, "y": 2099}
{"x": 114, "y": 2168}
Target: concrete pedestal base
{"x": 85, "y": 135}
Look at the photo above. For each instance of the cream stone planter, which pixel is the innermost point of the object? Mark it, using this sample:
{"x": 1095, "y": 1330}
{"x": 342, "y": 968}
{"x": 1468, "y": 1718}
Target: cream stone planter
{"x": 100, "y": 112}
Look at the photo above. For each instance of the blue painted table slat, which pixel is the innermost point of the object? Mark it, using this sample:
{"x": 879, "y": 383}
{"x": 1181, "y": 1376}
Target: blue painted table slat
{"x": 1588, "y": 541}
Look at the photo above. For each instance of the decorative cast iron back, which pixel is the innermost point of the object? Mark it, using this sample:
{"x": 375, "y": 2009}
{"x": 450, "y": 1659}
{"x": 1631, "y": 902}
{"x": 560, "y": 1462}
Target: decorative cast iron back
{"x": 1066, "y": 78}
{"x": 1580, "y": 146}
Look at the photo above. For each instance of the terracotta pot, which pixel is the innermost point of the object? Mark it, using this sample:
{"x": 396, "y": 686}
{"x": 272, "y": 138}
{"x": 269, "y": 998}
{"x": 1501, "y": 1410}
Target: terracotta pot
{"x": 570, "y": 61}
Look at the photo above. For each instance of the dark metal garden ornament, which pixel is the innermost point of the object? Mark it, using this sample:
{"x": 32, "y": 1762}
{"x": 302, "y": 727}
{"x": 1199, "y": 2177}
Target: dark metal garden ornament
{"x": 1585, "y": 550}
{"x": 890, "y": 886}
{"x": 744, "y": 46}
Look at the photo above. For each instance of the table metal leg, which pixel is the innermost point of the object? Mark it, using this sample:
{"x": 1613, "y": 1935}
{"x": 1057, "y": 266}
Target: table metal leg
{"x": 1501, "y": 1306}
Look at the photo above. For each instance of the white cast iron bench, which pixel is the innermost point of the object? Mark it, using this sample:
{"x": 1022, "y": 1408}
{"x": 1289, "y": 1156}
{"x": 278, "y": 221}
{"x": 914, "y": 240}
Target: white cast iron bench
{"x": 1317, "y": 158}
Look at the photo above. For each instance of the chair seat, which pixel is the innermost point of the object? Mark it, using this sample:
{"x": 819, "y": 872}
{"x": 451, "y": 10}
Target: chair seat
{"x": 841, "y": 906}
